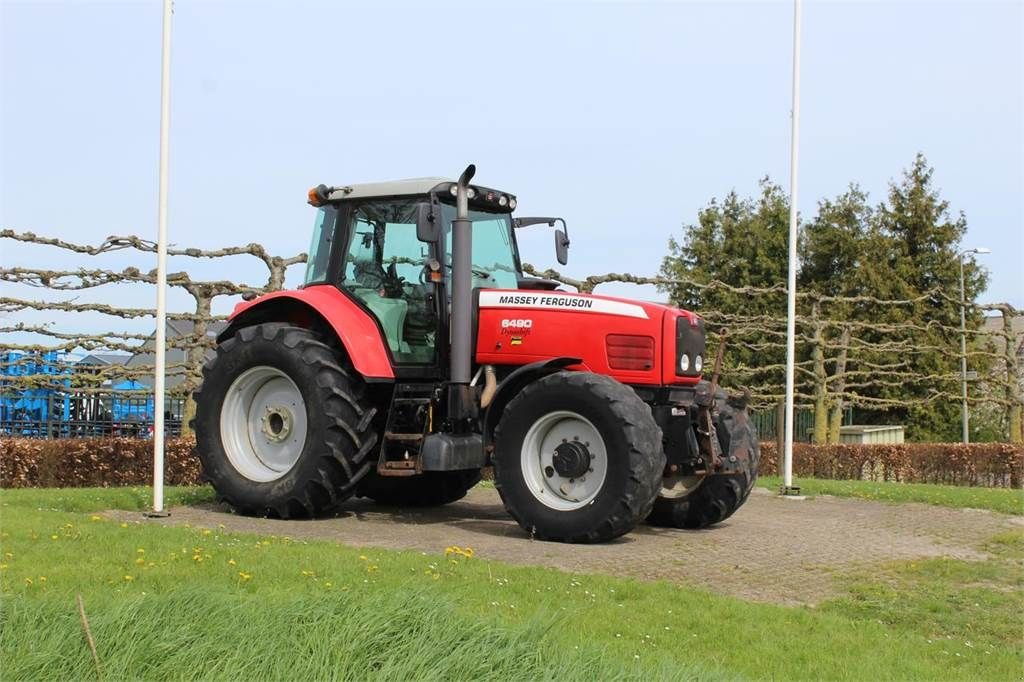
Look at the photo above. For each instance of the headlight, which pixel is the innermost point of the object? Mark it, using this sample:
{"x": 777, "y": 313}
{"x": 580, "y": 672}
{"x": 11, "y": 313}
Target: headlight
{"x": 512, "y": 203}
{"x": 698, "y": 364}
{"x": 684, "y": 363}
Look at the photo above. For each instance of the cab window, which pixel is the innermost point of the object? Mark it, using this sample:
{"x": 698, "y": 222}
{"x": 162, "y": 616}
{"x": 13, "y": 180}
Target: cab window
{"x": 384, "y": 268}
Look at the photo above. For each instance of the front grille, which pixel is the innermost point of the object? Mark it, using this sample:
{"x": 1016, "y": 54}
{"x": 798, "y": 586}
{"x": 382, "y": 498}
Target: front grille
{"x": 630, "y": 351}
{"x": 689, "y": 340}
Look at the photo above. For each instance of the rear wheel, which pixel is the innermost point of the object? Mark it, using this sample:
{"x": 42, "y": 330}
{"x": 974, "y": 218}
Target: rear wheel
{"x": 429, "y": 489}
{"x": 281, "y": 428}
{"x": 698, "y": 502}
{"x": 578, "y": 458}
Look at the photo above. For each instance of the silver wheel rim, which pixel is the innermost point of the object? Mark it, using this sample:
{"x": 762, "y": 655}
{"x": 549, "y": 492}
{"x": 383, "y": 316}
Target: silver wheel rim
{"x": 675, "y": 487}
{"x": 263, "y": 424}
{"x": 553, "y": 490}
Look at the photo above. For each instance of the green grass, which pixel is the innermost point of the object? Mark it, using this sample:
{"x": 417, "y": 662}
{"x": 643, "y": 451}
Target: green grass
{"x": 203, "y": 603}
{"x": 1005, "y": 500}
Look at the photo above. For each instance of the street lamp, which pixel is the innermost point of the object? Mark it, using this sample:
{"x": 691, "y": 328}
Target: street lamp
{"x": 963, "y": 339}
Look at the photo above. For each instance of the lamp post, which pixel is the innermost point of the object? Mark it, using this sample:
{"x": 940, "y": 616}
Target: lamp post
{"x": 965, "y": 417}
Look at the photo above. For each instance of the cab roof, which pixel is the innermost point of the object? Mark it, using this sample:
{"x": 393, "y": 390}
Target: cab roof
{"x": 391, "y": 188}
{"x": 485, "y": 196}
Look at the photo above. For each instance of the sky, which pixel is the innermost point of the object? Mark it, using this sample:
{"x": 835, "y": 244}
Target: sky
{"x": 624, "y": 118}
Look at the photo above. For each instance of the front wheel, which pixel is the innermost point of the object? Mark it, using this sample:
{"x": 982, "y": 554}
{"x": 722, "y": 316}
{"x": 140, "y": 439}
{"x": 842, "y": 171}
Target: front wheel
{"x": 698, "y": 502}
{"x": 578, "y": 458}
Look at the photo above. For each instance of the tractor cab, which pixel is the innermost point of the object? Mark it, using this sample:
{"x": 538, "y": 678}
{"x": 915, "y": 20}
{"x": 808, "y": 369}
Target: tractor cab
{"x": 389, "y": 245}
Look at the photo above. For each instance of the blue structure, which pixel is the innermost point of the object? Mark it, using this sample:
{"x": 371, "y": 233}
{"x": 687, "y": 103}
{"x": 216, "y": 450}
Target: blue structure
{"x": 25, "y": 411}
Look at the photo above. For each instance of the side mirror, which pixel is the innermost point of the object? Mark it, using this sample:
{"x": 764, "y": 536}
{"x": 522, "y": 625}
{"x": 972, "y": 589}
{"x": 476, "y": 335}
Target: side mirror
{"x": 428, "y": 223}
{"x": 561, "y": 247}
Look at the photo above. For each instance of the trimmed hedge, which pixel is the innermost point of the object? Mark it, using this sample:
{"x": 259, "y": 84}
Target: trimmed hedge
{"x": 106, "y": 462}
{"x": 994, "y": 465}
{"x": 93, "y": 462}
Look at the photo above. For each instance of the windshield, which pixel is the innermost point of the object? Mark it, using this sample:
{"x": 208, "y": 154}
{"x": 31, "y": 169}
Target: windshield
{"x": 494, "y": 254}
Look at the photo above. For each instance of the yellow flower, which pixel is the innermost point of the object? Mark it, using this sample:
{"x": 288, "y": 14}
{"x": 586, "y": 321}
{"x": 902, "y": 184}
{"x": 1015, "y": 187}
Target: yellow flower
{"x": 140, "y": 551}
{"x": 42, "y": 578}
{"x": 231, "y": 562}
{"x": 28, "y": 581}
{"x": 140, "y": 561}
{"x": 3, "y": 567}
{"x": 53, "y": 537}
{"x": 206, "y": 531}
{"x": 244, "y": 576}
{"x": 8, "y": 555}
{"x": 95, "y": 517}
{"x": 129, "y": 578}
{"x": 124, "y": 525}
{"x": 362, "y": 557}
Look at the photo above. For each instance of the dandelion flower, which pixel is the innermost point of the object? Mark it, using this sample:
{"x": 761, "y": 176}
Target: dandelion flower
{"x": 231, "y": 562}
{"x": 140, "y": 561}
{"x": 362, "y": 557}
{"x": 53, "y": 537}
{"x": 28, "y": 581}
{"x": 124, "y": 525}
{"x": 129, "y": 578}
{"x": 207, "y": 531}
{"x": 95, "y": 517}
{"x": 42, "y": 578}
{"x": 244, "y": 576}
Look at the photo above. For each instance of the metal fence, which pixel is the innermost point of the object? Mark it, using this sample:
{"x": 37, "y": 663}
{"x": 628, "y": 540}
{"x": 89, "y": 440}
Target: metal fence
{"x": 767, "y": 425}
{"x": 44, "y": 413}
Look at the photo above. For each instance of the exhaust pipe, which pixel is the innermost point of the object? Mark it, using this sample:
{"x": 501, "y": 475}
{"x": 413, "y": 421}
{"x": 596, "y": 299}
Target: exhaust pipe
{"x": 459, "y": 402}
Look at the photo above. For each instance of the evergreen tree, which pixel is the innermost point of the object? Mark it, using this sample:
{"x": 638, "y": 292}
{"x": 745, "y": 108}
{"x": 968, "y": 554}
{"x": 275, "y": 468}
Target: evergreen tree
{"x": 904, "y": 249}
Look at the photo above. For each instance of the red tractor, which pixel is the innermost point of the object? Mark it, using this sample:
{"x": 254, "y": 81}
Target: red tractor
{"x": 417, "y": 353}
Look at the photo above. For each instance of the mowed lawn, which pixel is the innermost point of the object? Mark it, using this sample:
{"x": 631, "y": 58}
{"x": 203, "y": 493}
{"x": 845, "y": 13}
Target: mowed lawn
{"x": 1005, "y": 500}
{"x": 186, "y": 603}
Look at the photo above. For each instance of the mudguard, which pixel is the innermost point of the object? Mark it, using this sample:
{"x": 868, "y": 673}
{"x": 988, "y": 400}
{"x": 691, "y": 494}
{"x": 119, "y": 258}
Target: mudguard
{"x": 355, "y": 329}
{"x": 514, "y": 382}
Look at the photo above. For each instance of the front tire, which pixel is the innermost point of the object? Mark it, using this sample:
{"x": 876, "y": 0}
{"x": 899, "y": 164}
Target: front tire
{"x": 578, "y": 458}
{"x": 281, "y": 428}
{"x": 691, "y": 502}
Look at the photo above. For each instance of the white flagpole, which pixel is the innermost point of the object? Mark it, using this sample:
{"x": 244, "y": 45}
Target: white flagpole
{"x": 160, "y": 349}
{"x": 787, "y": 462}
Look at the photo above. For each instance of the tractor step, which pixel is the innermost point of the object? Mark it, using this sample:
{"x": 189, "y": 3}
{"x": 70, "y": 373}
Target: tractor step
{"x": 410, "y": 417}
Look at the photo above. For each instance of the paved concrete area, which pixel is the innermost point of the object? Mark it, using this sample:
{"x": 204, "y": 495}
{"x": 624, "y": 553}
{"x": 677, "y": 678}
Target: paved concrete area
{"x": 772, "y": 549}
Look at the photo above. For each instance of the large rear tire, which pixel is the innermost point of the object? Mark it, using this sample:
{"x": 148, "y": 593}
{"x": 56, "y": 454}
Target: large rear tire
{"x": 429, "y": 489}
{"x": 701, "y": 502}
{"x": 281, "y": 428}
{"x": 578, "y": 458}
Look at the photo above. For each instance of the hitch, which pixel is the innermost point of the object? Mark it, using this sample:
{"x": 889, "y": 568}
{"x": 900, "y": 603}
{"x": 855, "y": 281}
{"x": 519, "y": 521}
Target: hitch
{"x": 707, "y": 436}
